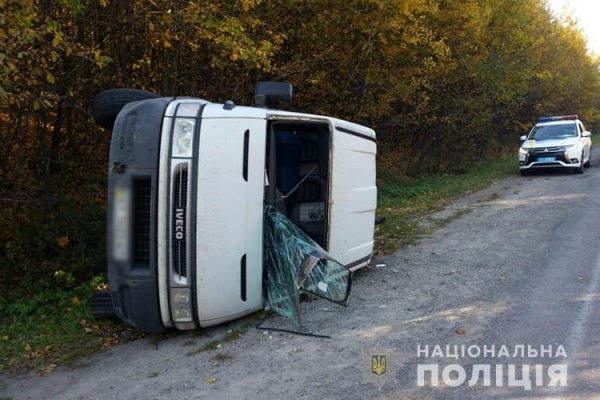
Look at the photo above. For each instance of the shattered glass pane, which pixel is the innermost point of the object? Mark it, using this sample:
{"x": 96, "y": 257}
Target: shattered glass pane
{"x": 294, "y": 264}
{"x": 329, "y": 280}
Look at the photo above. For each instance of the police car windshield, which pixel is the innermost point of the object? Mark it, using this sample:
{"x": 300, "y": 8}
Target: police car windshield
{"x": 553, "y": 132}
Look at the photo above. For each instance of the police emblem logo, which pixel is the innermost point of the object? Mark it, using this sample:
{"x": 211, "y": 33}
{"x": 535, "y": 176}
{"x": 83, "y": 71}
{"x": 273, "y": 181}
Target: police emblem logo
{"x": 382, "y": 366}
{"x": 378, "y": 367}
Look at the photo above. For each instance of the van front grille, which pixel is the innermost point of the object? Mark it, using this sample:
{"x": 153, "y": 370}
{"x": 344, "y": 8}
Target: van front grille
{"x": 179, "y": 221}
{"x": 547, "y": 149}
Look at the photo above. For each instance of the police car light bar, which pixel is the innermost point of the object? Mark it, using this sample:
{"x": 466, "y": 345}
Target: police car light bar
{"x": 558, "y": 118}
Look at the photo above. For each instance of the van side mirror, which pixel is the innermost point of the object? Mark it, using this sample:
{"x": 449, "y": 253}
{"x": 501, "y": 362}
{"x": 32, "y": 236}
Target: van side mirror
{"x": 523, "y": 138}
{"x": 586, "y": 134}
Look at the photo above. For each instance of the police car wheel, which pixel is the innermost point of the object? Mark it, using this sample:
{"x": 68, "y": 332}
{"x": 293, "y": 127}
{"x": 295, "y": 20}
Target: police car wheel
{"x": 587, "y": 164}
{"x": 108, "y": 104}
{"x": 580, "y": 169}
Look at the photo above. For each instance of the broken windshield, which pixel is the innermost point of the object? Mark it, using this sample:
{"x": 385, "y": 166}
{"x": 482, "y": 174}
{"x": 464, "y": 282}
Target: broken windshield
{"x": 295, "y": 264}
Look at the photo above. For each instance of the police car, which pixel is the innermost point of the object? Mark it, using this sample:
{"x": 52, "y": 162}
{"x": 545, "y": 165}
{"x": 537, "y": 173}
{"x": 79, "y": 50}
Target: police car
{"x": 556, "y": 142}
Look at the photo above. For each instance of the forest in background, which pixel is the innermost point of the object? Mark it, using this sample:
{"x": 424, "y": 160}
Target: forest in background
{"x": 445, "y": 84}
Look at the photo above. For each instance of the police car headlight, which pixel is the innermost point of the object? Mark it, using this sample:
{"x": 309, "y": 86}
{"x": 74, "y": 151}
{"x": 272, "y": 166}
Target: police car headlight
{"x": 183, "y": 135}
{"x": 523, "y": 151}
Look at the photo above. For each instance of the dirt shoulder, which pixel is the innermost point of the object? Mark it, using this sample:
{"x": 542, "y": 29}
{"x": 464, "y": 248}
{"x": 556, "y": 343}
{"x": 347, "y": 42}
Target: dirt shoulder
{"x": 423, "y": 293}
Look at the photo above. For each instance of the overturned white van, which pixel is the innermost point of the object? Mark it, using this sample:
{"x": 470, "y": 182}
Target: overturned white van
{"x": 189, "y": 181}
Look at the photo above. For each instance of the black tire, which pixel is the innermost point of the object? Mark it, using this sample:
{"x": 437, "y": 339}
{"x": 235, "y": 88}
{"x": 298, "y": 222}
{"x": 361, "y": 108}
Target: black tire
{"x": 108, "y": 104}
{"x": 580, "y": 169}
{"x": 102, "y": 305}
{"x": 524, "y": 172}
{"x": 589, "y": 161}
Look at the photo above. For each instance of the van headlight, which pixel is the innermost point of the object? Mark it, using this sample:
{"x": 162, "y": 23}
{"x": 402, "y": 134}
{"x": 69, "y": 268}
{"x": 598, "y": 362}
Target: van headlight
{"x": 181, "y": 304}
{"x": 523, "y": 151}
{"x": 183, "y": 135}
{"x": 570, "y": 147}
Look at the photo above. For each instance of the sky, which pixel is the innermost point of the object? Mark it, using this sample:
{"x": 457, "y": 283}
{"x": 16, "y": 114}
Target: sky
{"x": 587, "y": 12}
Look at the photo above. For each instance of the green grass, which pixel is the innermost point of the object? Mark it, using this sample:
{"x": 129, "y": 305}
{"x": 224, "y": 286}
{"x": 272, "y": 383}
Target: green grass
{"x": 235, "y": 334}
{"x": 458, "y": 214}
{"x": 222, "y": 357}
{"x": 404, "y": 201}
{"x": 249, "y": 322}
{"x": 212, "y": 345}
{"x": 54, "y": 327}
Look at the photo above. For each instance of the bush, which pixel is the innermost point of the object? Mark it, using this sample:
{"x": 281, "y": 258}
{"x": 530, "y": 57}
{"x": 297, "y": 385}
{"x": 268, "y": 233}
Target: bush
{"x": 59, "y": 244}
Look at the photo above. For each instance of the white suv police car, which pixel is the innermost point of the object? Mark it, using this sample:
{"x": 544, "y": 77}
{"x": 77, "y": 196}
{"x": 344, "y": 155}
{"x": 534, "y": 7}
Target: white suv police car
{"x": 556, "y": 142}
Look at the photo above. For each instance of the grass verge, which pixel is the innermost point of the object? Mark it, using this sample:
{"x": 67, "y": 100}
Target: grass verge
{"x": 54, "y": 327}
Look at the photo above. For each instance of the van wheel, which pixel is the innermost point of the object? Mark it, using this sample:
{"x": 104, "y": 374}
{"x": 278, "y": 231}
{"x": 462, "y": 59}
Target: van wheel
{"x": 108, "y": 104}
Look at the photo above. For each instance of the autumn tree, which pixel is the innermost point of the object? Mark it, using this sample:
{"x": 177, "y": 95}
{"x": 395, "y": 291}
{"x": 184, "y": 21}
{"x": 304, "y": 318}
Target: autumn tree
{"x": 445, "y": 84}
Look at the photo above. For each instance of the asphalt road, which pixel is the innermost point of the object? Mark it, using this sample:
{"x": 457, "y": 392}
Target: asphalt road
{"x": 516, "y": 266}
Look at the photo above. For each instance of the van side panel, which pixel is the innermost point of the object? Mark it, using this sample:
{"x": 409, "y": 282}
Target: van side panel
{"x": 353, "y": 197}
{"x": 229, "y": 245}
